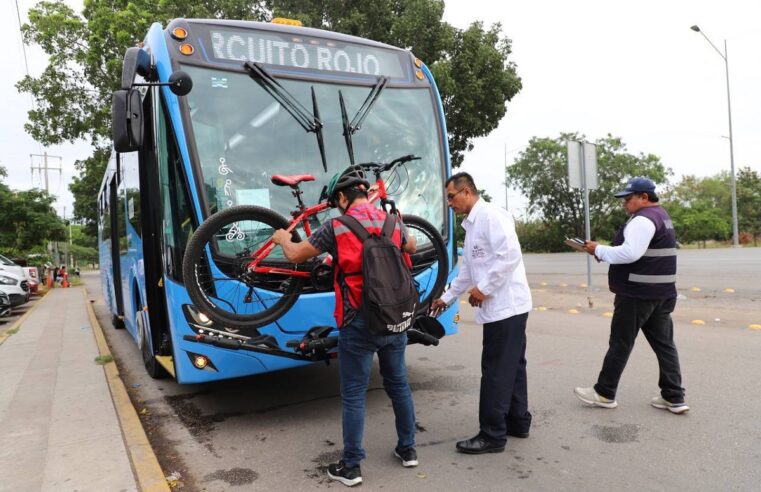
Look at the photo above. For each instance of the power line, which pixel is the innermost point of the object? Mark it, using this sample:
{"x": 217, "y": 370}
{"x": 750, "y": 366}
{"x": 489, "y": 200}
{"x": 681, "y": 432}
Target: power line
{"x": 26, "y": 66}
{"x": 23, "y": 44}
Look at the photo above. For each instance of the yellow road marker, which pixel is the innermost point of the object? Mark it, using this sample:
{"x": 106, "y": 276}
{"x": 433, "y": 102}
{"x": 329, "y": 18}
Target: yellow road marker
{"x": 696, "y": 289}
{"x": 543, "y": 284}
{"x": 573, "y": 311}
{"x": 729, "y": 290}
{"x": 698, "y": 322}
{"x": 583, "y": 286}
{"x": 754, "y": 327}
{"x": 563, "y": 284}
{"x": 541, "y": 308}
{"x": 607, "y": 314}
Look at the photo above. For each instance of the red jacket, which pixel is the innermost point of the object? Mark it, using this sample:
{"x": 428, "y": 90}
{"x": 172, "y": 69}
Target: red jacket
{"x": 348, "y": 268}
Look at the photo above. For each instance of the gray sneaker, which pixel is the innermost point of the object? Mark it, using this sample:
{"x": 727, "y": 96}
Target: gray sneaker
{"x": 591, "y": 398}
{"x": 677, "y": 408}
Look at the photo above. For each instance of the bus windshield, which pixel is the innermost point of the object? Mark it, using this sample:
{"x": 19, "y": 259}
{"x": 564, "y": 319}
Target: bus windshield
{"x": 243, "y": 137}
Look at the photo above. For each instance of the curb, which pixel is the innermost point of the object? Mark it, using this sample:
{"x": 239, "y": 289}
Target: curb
{"x": 145, "y": 465}
{"x": 17, "y": 323}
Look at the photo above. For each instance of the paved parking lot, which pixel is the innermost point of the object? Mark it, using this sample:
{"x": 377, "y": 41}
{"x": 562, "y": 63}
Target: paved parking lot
{"x": 278, "y": 431}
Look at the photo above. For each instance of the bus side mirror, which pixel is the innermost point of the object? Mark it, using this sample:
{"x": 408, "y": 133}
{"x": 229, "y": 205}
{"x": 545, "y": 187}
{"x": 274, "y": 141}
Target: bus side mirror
{"x": 136, "y": 60}
{"x": 180, "y": 83}
{"x": 127, "y": 120}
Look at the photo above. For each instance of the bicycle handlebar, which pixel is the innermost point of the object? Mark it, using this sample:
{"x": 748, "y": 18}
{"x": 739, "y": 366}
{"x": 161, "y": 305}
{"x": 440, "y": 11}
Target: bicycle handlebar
{"x": 379, "y": 168}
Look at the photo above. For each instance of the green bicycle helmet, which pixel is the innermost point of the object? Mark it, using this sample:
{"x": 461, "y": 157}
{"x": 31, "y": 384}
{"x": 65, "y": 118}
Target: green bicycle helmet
{"x": 351, "y": 176}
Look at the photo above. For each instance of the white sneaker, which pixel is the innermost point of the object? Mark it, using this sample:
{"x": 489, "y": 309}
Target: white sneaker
{"x": 677, "y": 408}
{"x": 591, "y": 398}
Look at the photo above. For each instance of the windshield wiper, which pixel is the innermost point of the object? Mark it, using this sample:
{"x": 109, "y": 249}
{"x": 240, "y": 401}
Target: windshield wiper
{"x": 350, "y": 128}
{"x": 308, "y": 121}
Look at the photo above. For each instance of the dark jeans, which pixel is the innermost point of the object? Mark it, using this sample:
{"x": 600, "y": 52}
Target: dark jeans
{"x": 503, "y": 404}
{"x": 654, "y": 318}
{"x": 356, "y": 347}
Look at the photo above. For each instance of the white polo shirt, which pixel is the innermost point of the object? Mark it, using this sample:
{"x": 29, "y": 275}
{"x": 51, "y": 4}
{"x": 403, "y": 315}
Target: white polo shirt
{"x": 492, "y": 261}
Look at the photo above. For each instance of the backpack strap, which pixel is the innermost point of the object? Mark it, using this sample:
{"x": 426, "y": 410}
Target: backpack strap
{"x": 355, "y": 227}
{"x": 389, "y": 225}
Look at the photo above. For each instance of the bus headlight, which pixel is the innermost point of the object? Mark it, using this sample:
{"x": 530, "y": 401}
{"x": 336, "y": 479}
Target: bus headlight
{"x": 194, "y": 316}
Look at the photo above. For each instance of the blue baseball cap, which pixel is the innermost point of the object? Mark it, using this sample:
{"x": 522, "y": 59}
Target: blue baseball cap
{"x": 637, "y": 185}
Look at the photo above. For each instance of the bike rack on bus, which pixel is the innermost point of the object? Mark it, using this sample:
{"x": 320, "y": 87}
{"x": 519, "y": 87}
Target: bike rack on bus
{"x": 315, "y": 345}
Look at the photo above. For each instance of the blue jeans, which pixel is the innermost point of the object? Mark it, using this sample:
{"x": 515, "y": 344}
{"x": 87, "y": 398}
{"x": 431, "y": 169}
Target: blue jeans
{"x": 356, "y": 347}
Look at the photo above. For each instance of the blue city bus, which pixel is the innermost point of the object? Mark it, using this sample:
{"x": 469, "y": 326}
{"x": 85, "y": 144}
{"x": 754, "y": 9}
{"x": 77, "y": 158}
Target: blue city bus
{"x": 194, "y": 135}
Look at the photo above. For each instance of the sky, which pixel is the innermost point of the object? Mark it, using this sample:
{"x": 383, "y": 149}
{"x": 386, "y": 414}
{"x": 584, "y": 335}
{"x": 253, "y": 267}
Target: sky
{"x": 631, "y": 69}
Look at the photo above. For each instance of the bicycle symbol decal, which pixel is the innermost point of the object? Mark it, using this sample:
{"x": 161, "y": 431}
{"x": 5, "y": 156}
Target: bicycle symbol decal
{"x": 235, "y": 234}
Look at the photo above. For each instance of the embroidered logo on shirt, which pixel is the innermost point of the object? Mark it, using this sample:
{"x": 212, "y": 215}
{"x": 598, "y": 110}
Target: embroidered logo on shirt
{"x": 477, "y": 252}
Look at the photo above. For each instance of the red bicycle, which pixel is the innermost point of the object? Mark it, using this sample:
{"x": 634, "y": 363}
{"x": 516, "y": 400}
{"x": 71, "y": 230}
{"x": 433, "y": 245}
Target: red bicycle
{"x": 237, "y": 276}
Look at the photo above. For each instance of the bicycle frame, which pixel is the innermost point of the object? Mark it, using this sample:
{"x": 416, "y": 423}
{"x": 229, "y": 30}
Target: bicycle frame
{"x": 301, "y": 216}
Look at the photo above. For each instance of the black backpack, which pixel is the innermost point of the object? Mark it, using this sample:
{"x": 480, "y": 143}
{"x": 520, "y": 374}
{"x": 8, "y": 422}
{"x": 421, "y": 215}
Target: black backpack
{"x": 389, "y": 297}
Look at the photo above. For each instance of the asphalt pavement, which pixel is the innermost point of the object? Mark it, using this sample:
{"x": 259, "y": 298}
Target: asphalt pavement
{"x": 279, "y": 431}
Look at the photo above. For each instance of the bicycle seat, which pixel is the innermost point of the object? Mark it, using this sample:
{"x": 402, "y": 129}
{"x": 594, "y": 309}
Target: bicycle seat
{"x": 281, "y": 180}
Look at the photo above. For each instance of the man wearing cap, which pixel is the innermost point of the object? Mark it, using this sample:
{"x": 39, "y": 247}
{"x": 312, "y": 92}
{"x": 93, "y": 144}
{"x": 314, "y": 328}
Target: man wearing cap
{"x": 642, "y": 275}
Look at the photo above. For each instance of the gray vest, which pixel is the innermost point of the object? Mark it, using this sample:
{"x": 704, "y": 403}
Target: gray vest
{"x": 654, "y": 275}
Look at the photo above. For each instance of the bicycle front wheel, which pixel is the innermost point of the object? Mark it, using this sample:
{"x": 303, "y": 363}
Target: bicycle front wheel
{"x": 430, "y": 263}
{"x": 215, "y": 269}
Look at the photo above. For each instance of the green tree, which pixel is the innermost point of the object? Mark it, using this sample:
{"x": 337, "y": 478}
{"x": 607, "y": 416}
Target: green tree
{"x": 541, "y": 173}
{"x": 701, "y": 208}
{"x": 749, "y": 202}
{"x": 85, "y": 52}
{"x": 699, "y": 224}
{"x": 27, "y": 221}
{"x": 85, "y": 187}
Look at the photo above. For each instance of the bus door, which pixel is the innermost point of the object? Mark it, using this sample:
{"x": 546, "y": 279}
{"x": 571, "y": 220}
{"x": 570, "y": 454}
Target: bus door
{"x": 115, "y": 257}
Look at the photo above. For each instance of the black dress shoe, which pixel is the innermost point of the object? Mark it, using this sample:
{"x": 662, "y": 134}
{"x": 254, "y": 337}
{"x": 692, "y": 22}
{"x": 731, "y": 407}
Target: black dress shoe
{"x": 522, "y": 435}
{"x": 479, "y": 445}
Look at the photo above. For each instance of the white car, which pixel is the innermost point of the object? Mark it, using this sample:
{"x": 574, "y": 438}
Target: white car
{"x": 5, "y": 304}
{"x": 16, "y": 287}
{"x": 6, "y": 265}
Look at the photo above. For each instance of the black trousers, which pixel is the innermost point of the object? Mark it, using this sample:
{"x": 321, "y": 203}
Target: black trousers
{"x": 653, "y": 317}
{"x": 504, "y": 397}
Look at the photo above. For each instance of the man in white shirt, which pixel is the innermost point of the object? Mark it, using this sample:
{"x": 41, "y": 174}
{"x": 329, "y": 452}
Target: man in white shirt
{"x": 642, "y": 275}
{"x": 492, "y": 272}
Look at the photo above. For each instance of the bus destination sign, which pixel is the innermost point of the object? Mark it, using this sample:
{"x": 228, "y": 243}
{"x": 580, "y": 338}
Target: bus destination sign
{"x": 304, "y": 52}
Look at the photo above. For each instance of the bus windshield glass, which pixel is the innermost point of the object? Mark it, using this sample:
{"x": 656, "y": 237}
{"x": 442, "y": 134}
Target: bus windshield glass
{"x": 243, "y": 137}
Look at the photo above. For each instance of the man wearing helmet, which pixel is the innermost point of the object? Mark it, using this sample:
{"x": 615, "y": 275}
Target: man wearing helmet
{"x": 348, "y": 191}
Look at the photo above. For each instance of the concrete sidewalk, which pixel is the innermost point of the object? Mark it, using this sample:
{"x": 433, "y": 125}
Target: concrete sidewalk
{"x": 59, "y": 425}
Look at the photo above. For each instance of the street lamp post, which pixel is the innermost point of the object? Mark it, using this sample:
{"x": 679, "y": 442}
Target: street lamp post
{"x": 735, "y": 232}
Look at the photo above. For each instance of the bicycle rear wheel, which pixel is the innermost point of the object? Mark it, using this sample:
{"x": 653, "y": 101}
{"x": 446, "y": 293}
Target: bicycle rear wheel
{"x": 430, "y": 264}
{"x": 215, "y": 273}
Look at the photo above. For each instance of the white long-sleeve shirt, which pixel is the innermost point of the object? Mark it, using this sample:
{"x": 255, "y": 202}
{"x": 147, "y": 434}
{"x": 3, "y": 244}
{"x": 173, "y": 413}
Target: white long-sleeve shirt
{"x": 638, "y": 233}
{"x": 492, "y": 261}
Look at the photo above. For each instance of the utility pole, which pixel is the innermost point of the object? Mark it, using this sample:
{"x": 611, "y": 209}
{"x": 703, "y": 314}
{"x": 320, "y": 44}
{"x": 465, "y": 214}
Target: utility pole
{"x": 45, "y": 167}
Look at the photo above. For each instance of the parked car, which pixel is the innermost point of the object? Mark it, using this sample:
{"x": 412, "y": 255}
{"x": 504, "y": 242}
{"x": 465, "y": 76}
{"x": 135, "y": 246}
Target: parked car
{"x": 28, "y": 273}
{"x": 33, "y": 277}
{"x": 16, "y": 287}
{"x": 5, "y": 305}
{"x": 7, "y": 265}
